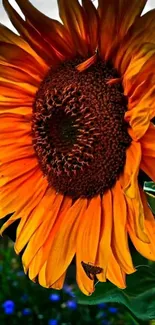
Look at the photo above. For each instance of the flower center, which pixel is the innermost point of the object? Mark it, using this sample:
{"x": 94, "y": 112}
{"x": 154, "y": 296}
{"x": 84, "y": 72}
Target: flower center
{"x": 79, "y": 133}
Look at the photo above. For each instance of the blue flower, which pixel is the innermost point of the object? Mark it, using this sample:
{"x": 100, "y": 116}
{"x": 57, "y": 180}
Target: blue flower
{"x": 52, "y": 322}
{"x": 113, "y": 310}
{"x": 54, "y": 297}
{"x": 71, "y": 304}
{"x": 8, "y": 311}
{"x": 102, "y": 305}
{"x": 8, "y": 307}
{"x": 26, "y": 311}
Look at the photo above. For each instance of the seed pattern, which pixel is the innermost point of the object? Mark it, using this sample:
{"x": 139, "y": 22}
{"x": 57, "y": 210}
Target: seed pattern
{"x": 79, "y": 133}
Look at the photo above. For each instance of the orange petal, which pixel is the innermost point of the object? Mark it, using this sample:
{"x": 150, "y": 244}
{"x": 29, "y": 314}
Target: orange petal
{"x": 116, "y": 19}
{"x": 15, "y": 102}
{"x": 136, "y": 216}
{"x": 12, "y": 55}
{"x": 15, "y": 75}
{"x": 30, "y": 34}
{"x": 104, "y": 248}
{"x": 42, "y": 254}
{"x": 42, "y": 276}
{"x": 29, "y": 204}
{"x": 119, "y": 239}
{"x": 74, "y": 19}
{"x": 147, "y": 165}
{"x": 34, "y": 222}
{"x": 21, "y": 87}
{"x": 87, "y": 242}
{"x": 87, "y": 63}
{"x": 148, "y": 142}
{"x": 140, "y": 70}
{"x": 63, "y": 245}
{"x": 40, "y": 229}
{"x": 139, "y": 117}
{"x": 13, "y": 170}
{"x": 148, "y": 150}
{"x": 58, "y": 285}
{"x": 22, "y": 110}
{"x": 129, "y": 177}
{"x": 137, "y": 40}
{"x": 93, "y": 24}
{"x": 114, "y": 272}
{"x": 129, "y": 183}
{"x": 7, "y": 36}
{"x": 15, "y": 195}
{"x": 51, "y": 30}
{"x": 145, "y": 249}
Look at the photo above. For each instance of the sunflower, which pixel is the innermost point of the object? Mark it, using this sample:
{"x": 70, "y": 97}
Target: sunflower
{"x": 77, "y": 105}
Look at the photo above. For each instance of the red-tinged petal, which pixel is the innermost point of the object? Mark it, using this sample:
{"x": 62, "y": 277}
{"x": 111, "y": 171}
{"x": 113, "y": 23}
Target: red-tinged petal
{"x": 86, "y": 64}
{"x": 139, "y": 36}
{"x": 16, "y": 75}
{"x": 142, "y": 112}
{"x": 148, "y": 150}
{"x": 116, "y": 19}
{"x": 74, "y": 19}
{"x": 139, "y": 72}
{"x": 93, "y": 24}
{"x": 38, "y": 44}
{"x": 17, "y": 89}
{"x": 14, "y": 56}
{"x": 7, "y": 36}
{"x": 51, "y": 30}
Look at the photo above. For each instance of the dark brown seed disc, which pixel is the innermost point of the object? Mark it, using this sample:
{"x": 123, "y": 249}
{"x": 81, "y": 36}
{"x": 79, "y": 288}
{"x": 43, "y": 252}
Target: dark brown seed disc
{"x": 79, "y": 133}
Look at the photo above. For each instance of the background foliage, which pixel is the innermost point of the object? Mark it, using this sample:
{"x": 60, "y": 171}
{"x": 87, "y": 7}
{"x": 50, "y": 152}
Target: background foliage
{"x": 22, "y": 301}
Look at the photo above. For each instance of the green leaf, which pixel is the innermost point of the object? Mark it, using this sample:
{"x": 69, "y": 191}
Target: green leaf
{"x": 149, "y": 187}
{"x": 151, "y": 201}
{"x": 138, "y": 297}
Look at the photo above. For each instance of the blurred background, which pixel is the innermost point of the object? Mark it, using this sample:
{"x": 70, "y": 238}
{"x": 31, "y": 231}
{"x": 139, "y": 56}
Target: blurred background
{"x": 22, "y": 301}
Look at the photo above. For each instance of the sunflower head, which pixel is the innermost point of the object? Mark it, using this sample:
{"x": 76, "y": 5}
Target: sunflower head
{"x": 77, "y": 105}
